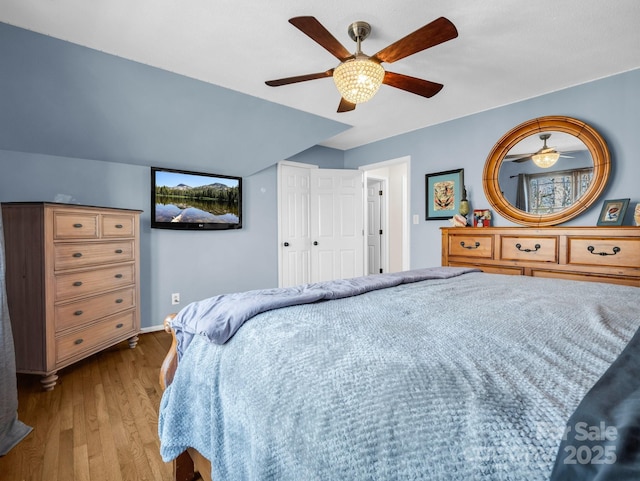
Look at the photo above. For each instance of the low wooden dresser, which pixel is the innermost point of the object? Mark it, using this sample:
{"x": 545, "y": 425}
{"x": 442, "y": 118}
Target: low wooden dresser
{"x": 599, "y": 254}
{"x": 72, "y": 276}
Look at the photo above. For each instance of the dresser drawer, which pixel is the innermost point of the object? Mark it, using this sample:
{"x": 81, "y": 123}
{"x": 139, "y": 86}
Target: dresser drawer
{"x": 624, "y": 281}
{"x": 69, "y": 256}
{"x": 76, "y": 284}
{"x": 620, "y": 252}
{"x": 72, "y": 225}
{"x": 471, "y": 246}
{"x": 118, "y": 225}
{"x": 491, "y": 269}
{"x": 537, "y": 249}
{"x": 98, "y": 334}
{"x": 84, "y": 311}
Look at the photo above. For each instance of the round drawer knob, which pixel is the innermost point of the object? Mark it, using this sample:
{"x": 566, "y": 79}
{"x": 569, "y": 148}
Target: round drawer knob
{"x": 77, "y": 254}
{"x": 118, "y": 326}
{"x": 119, "y": 301}
{"x": 78, "y": 341}
{"x": 77, "y": 283}
{"x": 118, "y": 251}
{"x": 77, "y": 226}
{"x": 118, "y": 276}
{"x": 78, "y": 313}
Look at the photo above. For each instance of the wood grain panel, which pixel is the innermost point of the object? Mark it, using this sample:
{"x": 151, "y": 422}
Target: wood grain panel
{"x": 106, "y": 331}
{"x": 74, "y": 225}
{"x": 78, "y": 313}
{"x": 73, "y": 256}
{"x": 82, "y": 283}
{"x": 118, "y": 225}
{"x": 601, "y": 254}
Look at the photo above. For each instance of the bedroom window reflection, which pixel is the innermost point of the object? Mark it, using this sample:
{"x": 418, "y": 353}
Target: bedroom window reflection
{"x": 550, "y": 192}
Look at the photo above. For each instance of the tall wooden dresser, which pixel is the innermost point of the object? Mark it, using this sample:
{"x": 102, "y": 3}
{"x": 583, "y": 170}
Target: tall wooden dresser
{"x": 72, "y": 275}
{"x": 600, "y": 254}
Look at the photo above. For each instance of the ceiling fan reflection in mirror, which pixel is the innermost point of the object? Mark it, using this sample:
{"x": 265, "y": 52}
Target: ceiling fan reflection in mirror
{"x": 359, "y": 76}
{"x": 544, "y": 157}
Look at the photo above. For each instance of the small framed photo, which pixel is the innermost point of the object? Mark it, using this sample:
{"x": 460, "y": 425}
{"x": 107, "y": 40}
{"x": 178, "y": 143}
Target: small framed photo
{"x": 481, "y": 218}
{"x": 443, "y": 194}
{"x": 613, "y": 211}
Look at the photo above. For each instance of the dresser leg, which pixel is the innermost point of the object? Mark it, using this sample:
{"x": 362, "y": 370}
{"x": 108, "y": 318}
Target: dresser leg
{"x": 133, "y": 342}
{"x": 48, "y": 381}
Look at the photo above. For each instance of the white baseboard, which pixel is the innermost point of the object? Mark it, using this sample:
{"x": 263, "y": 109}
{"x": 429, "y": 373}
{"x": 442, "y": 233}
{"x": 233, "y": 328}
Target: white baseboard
{"x": 145, "y": 330}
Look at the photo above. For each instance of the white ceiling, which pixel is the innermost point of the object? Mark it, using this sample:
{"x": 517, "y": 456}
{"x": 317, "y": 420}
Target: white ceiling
{"x": 506, "y": 51}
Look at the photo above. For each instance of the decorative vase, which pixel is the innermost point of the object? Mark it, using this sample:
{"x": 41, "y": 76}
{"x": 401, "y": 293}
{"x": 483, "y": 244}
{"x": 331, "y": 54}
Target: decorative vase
{"x": 464, "y": 203}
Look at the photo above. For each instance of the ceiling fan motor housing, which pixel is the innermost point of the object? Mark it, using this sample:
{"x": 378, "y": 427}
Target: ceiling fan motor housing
{"x": 358, "y": 31}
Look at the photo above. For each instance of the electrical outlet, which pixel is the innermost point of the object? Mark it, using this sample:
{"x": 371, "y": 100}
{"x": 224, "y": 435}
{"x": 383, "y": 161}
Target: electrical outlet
{"x": 175, "y": 298}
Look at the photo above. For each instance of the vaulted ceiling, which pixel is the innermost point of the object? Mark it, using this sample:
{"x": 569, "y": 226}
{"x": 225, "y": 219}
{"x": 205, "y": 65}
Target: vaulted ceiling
{"x": 506, "y": 51}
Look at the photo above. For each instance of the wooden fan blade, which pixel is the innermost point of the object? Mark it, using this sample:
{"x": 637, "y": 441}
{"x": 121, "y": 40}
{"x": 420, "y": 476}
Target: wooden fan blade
{"x": 299, "y": 78}
{"x": 345, "y": 106}
{"x": 414, "y": 85}
{"x": 434, "y": 33}
{"x": 314, "y": 29}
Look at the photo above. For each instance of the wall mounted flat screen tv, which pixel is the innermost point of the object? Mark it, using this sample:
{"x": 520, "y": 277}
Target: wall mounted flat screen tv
{"x": 194, "y": 200}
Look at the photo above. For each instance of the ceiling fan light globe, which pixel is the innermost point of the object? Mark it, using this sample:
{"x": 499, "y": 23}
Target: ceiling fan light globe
{"x": 358, "y": 79}
{"x": 545, "y": 159}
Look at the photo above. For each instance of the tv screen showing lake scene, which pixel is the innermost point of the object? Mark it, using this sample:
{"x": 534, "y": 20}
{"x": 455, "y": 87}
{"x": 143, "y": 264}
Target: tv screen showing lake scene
{"x": 193, "y": 200}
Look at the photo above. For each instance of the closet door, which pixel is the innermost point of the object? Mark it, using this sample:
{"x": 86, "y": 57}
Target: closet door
{"x": 337, "y": 224}
{"x": 293, "y": 217}
{"x": 321, "y": 217}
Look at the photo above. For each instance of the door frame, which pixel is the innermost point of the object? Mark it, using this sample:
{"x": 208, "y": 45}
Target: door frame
{"x": 404, "y": 209}
{"x": 406, "y": 183}
{"x": 384, "y": 223}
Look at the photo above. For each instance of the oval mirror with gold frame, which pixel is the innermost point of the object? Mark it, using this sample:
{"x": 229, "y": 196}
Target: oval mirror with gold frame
{"x": 540, "y": 128}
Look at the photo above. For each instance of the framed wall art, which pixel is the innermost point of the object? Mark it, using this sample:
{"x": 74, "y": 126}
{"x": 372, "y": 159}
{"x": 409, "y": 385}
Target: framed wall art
{"x": 443, "y": 192}
{"x": 613, "y": 211}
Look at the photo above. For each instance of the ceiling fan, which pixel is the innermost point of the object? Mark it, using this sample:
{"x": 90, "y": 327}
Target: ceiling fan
{"x": 359, "y": 76}
{"x": 544, "y": 157}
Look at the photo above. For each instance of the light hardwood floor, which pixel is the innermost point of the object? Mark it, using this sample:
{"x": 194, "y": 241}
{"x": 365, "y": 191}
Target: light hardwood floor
{"x": 99, "y": 423}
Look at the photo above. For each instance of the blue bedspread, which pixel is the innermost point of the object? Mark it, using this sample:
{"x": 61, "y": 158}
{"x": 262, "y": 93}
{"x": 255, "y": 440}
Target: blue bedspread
{"x": 219, "y": 317}
{"x": 470, "y": 377}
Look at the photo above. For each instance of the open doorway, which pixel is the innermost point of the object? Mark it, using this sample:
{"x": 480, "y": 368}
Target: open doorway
{"x": 393, "y": 177}
{"x": 377, "y": 257}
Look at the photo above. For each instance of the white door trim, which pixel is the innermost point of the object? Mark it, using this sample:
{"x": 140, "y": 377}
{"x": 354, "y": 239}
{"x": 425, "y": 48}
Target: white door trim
{"x": 406, "y": 196}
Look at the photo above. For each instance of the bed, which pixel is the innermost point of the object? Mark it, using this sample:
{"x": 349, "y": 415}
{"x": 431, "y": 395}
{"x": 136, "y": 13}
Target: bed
{"x": 432, "y": 374}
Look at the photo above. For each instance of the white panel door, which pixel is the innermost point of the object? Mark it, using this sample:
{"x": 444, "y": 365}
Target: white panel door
{"x": 337, "y": 224}
{"x": 374, "y": 226}
{"x": 293, "y": 212}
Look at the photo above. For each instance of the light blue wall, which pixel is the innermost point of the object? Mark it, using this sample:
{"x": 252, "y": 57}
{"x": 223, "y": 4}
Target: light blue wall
{"x": 323, "y": 157}
{"x": 86, "y": 124}
{"x": 61, "y": 99}
{"x": 610, "y": 105}
{"x": 195, "y": 264}
{"x": 95, "y": 153}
